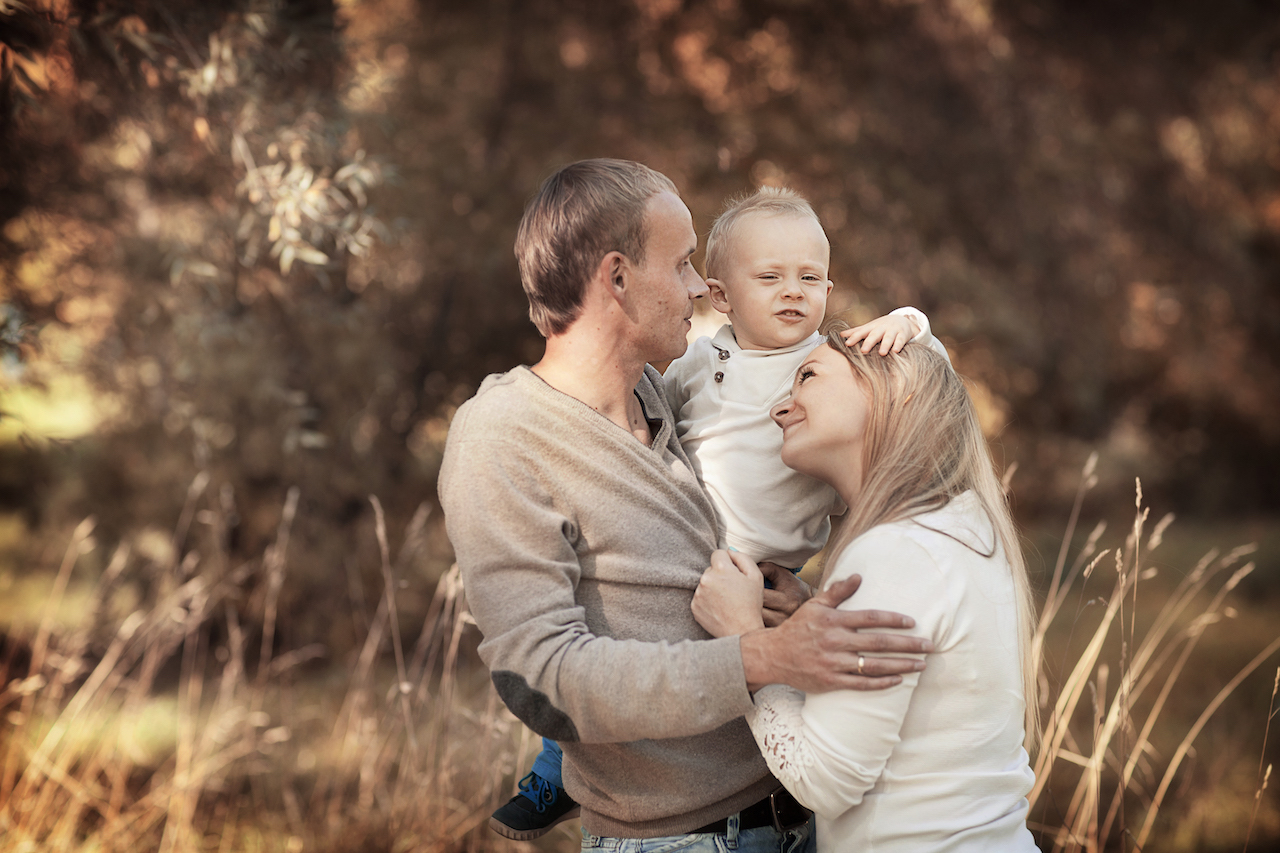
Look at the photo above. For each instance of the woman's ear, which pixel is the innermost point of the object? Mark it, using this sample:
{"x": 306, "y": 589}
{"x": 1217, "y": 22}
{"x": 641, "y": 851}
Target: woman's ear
{"x": 719, "y": 296}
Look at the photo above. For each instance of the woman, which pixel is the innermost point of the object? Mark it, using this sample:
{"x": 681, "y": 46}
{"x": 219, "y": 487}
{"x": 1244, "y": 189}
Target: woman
{"x": 937, "y": 762}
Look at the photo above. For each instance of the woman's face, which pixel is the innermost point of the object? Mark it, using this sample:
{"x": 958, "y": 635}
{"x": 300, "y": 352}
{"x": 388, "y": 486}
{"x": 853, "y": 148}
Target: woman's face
{"x": 824, "y": 421}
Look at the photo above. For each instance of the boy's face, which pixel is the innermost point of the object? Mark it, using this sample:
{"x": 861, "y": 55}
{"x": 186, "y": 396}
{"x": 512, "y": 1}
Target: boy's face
{"x": 774, "y": 285}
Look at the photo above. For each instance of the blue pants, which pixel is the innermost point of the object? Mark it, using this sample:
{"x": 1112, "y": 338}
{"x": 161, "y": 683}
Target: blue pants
{"x": 547, "y": 764}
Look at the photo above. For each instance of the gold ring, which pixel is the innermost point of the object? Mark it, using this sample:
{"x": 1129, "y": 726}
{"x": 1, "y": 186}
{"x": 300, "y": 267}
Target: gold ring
{"x": 861, "y": 661}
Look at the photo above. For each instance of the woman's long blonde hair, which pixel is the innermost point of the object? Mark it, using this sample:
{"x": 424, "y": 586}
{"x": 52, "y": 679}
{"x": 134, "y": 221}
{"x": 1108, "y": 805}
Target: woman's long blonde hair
{"x": 923, "y": 446}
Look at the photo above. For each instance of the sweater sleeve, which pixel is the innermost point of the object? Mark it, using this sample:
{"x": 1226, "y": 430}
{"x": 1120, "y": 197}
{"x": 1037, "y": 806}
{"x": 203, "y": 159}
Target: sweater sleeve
{"x": 517, "y": 552}
{"x": 830, "y": 749}
{"x": 674, "y": 383}
{"x": 925, "y": 335}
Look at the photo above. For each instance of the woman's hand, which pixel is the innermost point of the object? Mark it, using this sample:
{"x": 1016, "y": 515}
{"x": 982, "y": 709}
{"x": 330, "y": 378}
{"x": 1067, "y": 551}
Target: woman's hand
{"x": 730, "y": 597}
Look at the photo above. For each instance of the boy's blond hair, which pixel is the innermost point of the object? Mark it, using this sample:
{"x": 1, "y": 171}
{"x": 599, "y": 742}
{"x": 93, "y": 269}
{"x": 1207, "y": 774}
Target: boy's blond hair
{"x": 768, "y": 200}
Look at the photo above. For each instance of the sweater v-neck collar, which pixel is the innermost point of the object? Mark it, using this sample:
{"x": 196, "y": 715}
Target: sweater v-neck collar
{"x": 658, "y": 436}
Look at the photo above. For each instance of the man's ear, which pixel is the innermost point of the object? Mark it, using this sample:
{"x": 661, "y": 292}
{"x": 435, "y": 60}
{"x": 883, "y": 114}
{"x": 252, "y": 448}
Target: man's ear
{"x": 612, "y": 273}
{"x": 719, "y": 296}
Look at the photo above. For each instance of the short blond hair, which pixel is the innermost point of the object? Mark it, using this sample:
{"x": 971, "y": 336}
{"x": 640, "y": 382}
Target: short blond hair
{"x": 773, "y": 201}
{"x": 581, "y": 213}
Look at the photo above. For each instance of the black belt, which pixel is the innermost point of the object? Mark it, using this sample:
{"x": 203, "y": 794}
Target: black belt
{"x": 779, "y": 810}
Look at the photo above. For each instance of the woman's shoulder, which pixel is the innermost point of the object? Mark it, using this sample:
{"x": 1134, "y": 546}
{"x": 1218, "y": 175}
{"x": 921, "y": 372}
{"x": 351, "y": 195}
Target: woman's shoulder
{"x": 962, "y": 522}
{"x": 934, "y": 537}
{"x": 894, "y": 550}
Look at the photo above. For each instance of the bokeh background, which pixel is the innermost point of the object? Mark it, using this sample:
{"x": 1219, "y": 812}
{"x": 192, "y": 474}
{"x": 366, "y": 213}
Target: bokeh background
{"x": 254, "y": 245}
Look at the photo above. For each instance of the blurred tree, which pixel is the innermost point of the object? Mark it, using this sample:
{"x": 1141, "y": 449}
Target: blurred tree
{"x": 1084, "y": 198}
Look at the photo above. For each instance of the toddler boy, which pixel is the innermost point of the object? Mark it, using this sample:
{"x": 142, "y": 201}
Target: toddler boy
{"x": 767, "y": 261}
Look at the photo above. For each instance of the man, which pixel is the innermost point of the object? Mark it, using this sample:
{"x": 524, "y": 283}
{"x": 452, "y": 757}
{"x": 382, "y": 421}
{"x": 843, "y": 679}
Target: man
{"x": 581, "y": 532}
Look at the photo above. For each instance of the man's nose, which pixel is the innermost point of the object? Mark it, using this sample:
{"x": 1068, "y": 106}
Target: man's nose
{"x": 696, "y": 286}
{"x": 780, "y": 411}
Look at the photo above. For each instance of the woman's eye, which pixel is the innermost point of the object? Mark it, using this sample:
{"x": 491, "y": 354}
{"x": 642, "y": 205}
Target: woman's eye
{"x": 805, "y": 373}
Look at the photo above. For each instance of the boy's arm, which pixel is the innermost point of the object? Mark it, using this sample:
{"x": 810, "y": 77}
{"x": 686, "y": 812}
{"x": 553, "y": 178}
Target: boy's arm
{"x": 895, "y": 330}
{"x": 925, "y": 335}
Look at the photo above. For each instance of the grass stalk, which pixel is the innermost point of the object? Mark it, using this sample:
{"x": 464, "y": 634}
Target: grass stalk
{"x": 1194, "y": 732}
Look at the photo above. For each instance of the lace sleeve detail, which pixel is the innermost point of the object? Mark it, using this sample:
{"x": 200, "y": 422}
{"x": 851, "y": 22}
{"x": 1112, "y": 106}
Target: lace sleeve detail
{"x": 779, "y": 732}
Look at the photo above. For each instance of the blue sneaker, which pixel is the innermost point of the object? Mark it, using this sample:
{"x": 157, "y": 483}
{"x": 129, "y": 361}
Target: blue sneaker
{"x": 536, "y": 810}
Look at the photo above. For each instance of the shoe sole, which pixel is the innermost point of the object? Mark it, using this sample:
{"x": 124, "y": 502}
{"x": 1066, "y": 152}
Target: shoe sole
{"x": 530, "y": 834}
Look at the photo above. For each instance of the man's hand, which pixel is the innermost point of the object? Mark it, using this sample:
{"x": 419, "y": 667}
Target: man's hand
{"x": 786, "y": 596}
{"x": 821, "y": 648}
{"x": 892, "y": 332}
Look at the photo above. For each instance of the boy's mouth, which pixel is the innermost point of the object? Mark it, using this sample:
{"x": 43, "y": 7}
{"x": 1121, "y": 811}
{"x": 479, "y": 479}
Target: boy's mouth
{"x": 791, "y": 313}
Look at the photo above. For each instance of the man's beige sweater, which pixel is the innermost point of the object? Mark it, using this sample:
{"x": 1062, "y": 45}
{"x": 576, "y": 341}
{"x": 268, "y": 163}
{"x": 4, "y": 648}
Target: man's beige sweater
{"x": 580, "y": 549}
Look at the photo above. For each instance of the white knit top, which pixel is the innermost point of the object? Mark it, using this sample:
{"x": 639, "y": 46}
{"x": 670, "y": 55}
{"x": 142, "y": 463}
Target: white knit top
{"x": 935, "y": 763}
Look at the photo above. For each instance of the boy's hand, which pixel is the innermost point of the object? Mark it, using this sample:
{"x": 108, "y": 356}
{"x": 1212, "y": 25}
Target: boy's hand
{"x": 786, "y": 595}
{"x": 891, "y": 332}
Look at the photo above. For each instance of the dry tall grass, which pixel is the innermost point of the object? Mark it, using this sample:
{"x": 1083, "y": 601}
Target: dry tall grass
{"x": 415, "y": 750}
{"x": 1100, "y": 751}
{"x": 403, "y": 763}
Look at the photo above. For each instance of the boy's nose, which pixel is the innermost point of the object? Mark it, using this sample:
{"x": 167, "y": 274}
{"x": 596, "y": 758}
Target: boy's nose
{"x": 780, "y": 411}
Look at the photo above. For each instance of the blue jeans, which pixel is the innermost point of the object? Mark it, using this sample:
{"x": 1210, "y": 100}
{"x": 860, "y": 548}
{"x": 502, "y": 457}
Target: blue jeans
{"x": 765, "y": 839}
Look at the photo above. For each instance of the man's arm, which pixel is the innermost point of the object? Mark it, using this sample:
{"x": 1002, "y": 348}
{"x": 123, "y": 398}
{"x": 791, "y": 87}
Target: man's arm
{"x": 818, "y": 649}
{"x": 516, "y": 552}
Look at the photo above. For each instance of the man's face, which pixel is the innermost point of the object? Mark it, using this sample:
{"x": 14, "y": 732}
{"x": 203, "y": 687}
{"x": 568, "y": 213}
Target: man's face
{"x": 666, "y": 283}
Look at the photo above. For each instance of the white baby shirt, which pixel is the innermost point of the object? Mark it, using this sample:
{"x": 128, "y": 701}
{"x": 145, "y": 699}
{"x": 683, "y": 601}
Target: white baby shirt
{"x": 721, "y": 395}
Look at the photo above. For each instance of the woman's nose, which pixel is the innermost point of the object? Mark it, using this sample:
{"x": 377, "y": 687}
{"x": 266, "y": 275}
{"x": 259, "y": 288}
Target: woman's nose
{"x": 779, "y": 411}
